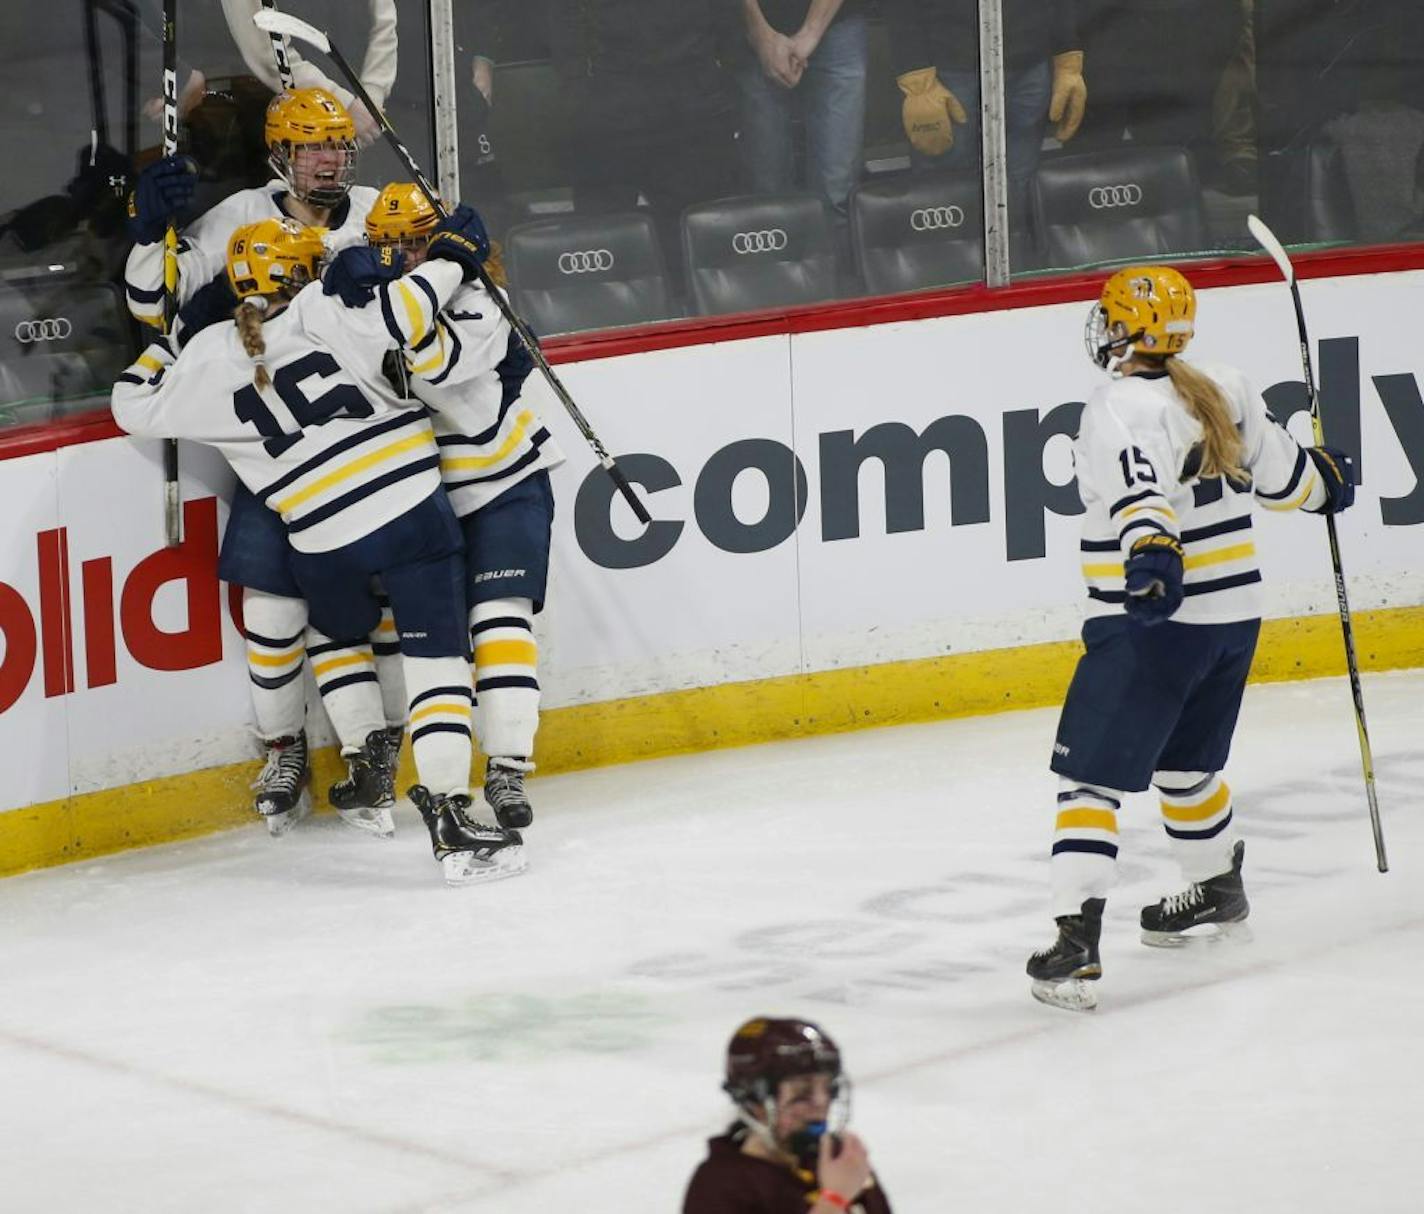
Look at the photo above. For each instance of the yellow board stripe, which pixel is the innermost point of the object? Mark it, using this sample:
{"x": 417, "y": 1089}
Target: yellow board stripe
{"x": 1237, "y": 552}
{"x": 275, "y": 659}
{"x": 449, "y": 708}
{"x": 515, "y": 437}
{"x": 330, "y": 664}
{"x": 1086, "y": 819}
{"x": 698, "y": 719}
{"x": 506, "y": 653}
{"x": 414, "y": 313}
{"x": 356, "y": 466}
{"x": 1212, "y": 806}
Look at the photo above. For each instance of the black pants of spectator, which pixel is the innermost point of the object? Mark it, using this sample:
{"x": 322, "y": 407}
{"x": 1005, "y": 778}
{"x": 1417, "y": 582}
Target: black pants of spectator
{"x": 667, "y": 137}
{"x": 1152, "y": 67}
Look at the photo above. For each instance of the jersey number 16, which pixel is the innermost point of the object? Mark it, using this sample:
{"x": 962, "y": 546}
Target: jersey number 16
{"x": 340, "y": 400}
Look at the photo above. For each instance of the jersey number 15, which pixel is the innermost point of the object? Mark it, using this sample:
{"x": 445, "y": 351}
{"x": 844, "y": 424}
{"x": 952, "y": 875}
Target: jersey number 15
{"x": 340, "y": 400}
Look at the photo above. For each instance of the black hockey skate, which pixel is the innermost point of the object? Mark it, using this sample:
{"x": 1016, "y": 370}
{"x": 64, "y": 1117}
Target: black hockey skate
{"x": 365, "y": 797}
{"x": 1061, "y": 971}
{"x": 283, "y": 799}
{"x": 1218, "y": 901}
{"x": 504, "y": 790}
{"x": 468, "y": 851}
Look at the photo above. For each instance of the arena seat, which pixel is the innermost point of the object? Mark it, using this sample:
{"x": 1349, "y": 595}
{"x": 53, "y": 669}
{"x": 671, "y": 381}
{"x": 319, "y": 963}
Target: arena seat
{"x": 919, "y": 231}
{"x": 1329, "y": 209}
{"x": 1112, "y": 206}
{"x": 587, "y": 272}
{"x": 64, "y": 343}
{"x": 762, "y": 251}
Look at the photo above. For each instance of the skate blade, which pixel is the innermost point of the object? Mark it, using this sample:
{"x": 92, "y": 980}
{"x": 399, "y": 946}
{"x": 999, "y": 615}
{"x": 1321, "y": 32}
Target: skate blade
{"x": 280, "y": 824}
{"x": 466, "y": 868}
{"x": 1207, "y": 933}
{"x": 1073, "y": 995}
{"x": 369, "y": 821}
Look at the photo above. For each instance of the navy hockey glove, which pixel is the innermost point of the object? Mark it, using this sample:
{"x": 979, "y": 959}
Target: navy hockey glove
{"x": 462, "y": 239}
{"x": 1153, "y": 575}
{"x": 357, "y": 272}
{"x": 212, "y": 303}
{"x": 1337, "y": 474}
{"x": 162, "y": 190}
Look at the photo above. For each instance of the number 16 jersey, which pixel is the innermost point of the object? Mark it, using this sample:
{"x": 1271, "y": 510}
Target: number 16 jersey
{"x": 329, "y": 444}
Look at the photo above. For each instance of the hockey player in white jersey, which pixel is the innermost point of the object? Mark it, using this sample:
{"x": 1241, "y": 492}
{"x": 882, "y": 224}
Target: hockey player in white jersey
{"x": 293, "y": 396}
{"x": 495, "y": 456}
{"x": 311, "y": 141}
{"x": 1169, "y": 457}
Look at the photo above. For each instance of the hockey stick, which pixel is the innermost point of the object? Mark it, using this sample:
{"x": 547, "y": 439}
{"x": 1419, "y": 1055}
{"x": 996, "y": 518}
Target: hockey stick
{"x": 279, "y": 53}
{"x": 172, "y": 509}
{"x": 275, "y": 23}
{"x": 1267, "y": 240}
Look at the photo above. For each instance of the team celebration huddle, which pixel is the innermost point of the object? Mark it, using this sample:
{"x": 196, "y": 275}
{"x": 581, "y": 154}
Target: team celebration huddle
{"x": 391, "y": 522}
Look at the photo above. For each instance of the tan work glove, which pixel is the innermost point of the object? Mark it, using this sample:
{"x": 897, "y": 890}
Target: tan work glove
{"x": 929, "y": 112}
{"x": 1070, "y": 95}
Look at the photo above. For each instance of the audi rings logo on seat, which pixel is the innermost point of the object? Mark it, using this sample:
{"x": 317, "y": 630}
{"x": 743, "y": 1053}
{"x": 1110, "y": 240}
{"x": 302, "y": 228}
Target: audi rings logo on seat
{"x": 1103, "y": 197}
{"x": 766, "y": 241}
{"x": 55, "y": 328}
{"x": 929, "y": 219}
{"x": 586, "y": 261}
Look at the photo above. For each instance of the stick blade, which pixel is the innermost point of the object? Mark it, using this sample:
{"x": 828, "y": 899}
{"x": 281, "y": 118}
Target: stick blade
{"x": 273, "y": 22}
{"x": 1267, "y": 240}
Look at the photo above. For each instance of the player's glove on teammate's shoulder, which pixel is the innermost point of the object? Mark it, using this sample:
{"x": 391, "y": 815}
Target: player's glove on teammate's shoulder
{"x": 212, "y": 303}
{"x": 356, "y": 272}
{"x": 1153, "y": 577}
{"x": 462, "y": 238}
{"x": 1337, "y": 474}
{"x": 162, "y": 190}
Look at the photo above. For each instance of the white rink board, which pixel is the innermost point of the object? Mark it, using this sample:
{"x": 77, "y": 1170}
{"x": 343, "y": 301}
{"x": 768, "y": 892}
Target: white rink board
{"x": 751, "y": 571}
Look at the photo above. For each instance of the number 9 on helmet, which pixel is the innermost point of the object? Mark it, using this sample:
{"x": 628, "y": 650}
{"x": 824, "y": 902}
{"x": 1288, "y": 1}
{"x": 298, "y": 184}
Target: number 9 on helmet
{"x": 402, "y": 217}
{"x": 1147, "y": 310}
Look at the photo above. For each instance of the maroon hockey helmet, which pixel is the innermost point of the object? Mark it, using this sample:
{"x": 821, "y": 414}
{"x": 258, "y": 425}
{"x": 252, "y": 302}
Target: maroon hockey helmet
{"x": 766, "y": 1050}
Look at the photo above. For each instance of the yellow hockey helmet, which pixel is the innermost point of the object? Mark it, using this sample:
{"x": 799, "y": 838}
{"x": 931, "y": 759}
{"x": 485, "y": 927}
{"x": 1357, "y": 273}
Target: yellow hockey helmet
{"x": 314, "y": 120}
{"x": 1142, "y": 310}
{"x": 273, "y": 256}
{"x": 401, "y": 215}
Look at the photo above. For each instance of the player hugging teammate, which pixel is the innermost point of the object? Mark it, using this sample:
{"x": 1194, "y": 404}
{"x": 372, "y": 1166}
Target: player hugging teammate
{"x": 327, "y": 445}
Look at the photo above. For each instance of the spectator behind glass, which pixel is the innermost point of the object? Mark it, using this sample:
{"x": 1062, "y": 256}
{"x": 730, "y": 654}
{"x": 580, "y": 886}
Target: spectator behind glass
{"x": 935, "y": 51}
{"x": 806, "y": 59}
{"x": 1156, "y": 99}
{"x": 789, "y": 1151}
{"x": 648, "y": 107}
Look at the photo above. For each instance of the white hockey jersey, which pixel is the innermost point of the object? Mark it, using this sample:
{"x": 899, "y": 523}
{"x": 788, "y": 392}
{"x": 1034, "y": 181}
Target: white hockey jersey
{"x": 490, "y": 438}
{"x": 202, "y": 245}
{"x": 1135, "y": 456}
{"x": 330, "y": 445}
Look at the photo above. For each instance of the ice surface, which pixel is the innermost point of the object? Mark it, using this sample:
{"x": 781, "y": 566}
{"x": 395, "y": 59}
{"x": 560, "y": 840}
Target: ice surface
{"x": 316, "y": 1023}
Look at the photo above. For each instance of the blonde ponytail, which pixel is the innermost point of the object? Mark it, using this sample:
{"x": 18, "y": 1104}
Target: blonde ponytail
{"x": 248, "y": 318}
{"x": 1221, "y": 447}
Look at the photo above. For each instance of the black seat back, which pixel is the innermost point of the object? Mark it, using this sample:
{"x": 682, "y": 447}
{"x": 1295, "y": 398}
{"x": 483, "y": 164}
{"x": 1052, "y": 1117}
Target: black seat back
{"x": 768, "y": 251}
{"x": 1115, "y": 205}
{"x": 587, "y": 272}
{"x": 918, "y": 231}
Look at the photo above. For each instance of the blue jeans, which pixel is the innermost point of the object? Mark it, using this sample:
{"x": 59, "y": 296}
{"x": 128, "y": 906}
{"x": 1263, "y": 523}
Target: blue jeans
{"x": 1027, "y": 94}
{"x": 831, "y": 100}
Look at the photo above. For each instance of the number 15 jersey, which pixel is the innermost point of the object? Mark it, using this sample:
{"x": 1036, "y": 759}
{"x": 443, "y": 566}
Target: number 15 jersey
{"x": 1137, "y": 455}
{"x": 329, "y": 444}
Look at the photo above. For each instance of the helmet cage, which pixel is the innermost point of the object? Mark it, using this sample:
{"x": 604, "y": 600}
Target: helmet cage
{"x": 1105, "y": 348}
{"x": 316, "y": 192}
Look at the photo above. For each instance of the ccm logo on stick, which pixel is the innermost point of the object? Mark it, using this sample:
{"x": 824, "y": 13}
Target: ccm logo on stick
{"x": 772, "y": 240}
{"x": 589, "y": 261}
{"x": 1104, "y": 197}
{"x": 51, "y": 329}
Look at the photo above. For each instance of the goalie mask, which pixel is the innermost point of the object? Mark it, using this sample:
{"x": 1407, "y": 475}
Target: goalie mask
{"x": 402, "y": 218}
{"x": 311, "y": 141}
{"x": 273, "y": 257}
{"x": 768, "y": 1061}
{"x": 1142, "y": 310}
